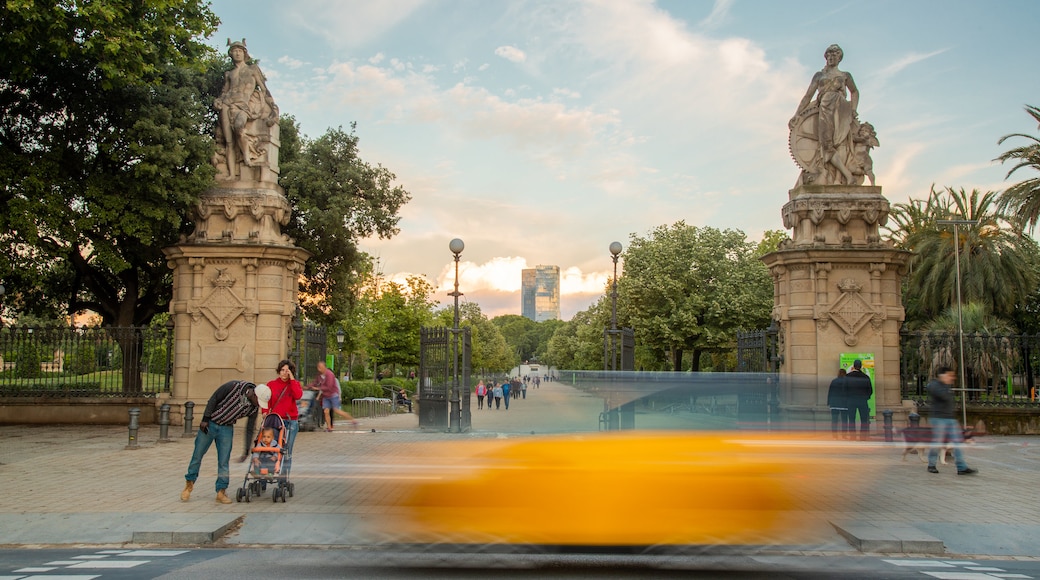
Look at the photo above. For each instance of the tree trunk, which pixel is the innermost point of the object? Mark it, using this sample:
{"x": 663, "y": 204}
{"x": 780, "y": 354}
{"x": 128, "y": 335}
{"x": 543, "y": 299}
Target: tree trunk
{"x": 677, "y": 359}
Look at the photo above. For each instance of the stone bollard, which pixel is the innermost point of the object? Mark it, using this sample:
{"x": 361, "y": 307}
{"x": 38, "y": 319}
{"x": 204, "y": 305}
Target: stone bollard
{"x": 915, "y": 420}
{"x": 887, "y": 413}
{"x": 189, "y": 416}
{"x": 134, "y": 414}
{"x": 164, "y": 423}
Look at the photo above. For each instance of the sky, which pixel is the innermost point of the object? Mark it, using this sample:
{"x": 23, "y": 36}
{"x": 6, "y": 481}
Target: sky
{"x": 540, "y": 131}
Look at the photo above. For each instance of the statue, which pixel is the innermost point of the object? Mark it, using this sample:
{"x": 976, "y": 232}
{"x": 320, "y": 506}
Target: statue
{"x": 827, "y": 140}
{"x": 248, "y": 117}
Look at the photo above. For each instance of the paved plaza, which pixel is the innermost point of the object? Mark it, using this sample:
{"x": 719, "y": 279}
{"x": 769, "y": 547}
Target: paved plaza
{"x": 79, "y": 485}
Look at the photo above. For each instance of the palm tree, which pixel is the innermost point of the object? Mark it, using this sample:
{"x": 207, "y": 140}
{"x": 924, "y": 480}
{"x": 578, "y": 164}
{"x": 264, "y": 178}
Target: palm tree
{"x": 997, "y": 260}
{"x": 990, "y": 355}
{"x": 1023, "y": 198}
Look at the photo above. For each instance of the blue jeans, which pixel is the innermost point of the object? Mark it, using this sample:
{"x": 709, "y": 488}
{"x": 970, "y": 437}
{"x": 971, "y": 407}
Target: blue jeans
{"x": 946, "y": 430}
{"x": 223, "y": 436}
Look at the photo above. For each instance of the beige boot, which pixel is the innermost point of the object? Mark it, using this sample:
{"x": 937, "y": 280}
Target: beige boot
{"x": 222, "y": 497}
{"x": 186, "y": 494}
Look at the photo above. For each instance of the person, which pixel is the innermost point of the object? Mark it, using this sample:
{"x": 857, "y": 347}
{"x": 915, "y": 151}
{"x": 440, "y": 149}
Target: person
{"x": 858, "y": 392}
{"x": 285, "y": 391}
{"x": 942, "y": 407}
{"x": 326, "y": 383}
{"x": 264, "y": 462}
{"x": 244, "y": 98}
{"x": 507, "y": 386}
{"x": 481, "y": 391}
{"x": 230, "y": 402}
{"x": 837, "y": 400}
{"x": 498, "y": 390}
{"x": 402, "y": 399}
{"x": 837, "y": 115}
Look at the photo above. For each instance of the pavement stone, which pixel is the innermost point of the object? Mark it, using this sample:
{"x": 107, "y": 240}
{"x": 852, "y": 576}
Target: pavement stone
{"x": 77, "y": 484}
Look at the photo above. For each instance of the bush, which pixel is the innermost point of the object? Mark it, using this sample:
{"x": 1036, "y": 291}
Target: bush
{"x": 27, "y": 361}
{"x": 82, "y": 360}
{"x": 359, "y": 390}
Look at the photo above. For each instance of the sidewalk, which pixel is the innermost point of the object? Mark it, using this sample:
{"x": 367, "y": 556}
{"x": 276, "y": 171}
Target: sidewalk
{"x": 69, "y": 485}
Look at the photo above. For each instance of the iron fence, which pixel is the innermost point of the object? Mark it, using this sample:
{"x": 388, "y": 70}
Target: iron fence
{"x": 1000, "y": 370}
{"x": 85, "y": 362}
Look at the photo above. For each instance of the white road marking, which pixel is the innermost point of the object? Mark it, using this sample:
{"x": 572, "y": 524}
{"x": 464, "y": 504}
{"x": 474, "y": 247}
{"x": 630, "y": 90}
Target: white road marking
{"x": 110, "y": 564}
{"x": 920, "y": 563}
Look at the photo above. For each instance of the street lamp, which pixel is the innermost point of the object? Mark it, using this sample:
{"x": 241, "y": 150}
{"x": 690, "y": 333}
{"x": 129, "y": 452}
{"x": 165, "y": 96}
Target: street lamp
{"x": 455, "y": 412}
{"x": 340, "y": 337}
{"x": 615, "y": 252}
{"x": 960, "y": 319}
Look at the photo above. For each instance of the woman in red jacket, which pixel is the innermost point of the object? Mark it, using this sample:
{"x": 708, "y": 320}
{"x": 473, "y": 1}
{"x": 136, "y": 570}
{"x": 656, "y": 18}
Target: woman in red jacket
{"x": 285, "y": 391}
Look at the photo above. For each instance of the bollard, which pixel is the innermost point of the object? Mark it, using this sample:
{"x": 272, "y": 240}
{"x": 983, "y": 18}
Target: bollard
{"x": 164, "y": 423}
{"x": 915, "y": 420}
{"x": 134, "y": 414}
{"x": 888, "y": 425}
{"x": 189, "y": 408}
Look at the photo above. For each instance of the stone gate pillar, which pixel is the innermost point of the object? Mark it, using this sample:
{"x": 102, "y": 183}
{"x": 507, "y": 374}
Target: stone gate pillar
{"x": 837, "y": 288}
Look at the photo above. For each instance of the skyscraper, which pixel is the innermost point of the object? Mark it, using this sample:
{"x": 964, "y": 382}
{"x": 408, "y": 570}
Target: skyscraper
{"x": 540, "y": 293}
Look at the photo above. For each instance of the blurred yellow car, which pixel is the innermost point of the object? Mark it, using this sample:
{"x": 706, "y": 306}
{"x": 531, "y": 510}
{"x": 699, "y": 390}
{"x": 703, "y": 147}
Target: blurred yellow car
{"x": 616, "y": 489}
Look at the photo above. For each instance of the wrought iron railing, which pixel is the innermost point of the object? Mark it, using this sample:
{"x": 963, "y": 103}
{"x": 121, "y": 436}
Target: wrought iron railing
{"x": 85, "y": 362}
{"x": 999, "y": 370}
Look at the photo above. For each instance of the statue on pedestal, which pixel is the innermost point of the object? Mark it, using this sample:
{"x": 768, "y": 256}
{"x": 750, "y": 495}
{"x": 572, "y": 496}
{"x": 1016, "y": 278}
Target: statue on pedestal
{"x": 248, "y": 116}
{"x": 827, "y": 140}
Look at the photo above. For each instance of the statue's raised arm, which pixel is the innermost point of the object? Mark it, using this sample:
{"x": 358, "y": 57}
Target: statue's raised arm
{"x": 825, "y": 131}
{"x": 247, "y": 133}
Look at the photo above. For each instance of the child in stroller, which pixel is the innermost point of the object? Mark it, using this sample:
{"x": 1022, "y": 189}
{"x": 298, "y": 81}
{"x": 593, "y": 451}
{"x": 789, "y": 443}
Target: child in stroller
{"x": 266, "y": 465}
{"x": 267, "y": 454}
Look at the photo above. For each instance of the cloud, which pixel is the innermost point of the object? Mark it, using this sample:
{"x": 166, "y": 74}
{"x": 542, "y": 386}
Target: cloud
{"x": 290, "y": 62}
{"x": 719, "y": 14}
{"x": 511, "y": 53}
{"x": 348, "y": 24}
{"x": 905, "y": 62}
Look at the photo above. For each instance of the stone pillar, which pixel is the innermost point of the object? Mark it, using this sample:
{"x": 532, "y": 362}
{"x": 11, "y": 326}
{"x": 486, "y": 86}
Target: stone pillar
{"x": 235, "y": 285}
{"x": 837, "y": 288}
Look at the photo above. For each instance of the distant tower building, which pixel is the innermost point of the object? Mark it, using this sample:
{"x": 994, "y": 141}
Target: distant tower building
{"x": 540, "y": 293}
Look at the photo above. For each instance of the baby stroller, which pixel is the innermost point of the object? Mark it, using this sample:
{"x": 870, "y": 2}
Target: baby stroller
{"x": 265, "y": 465}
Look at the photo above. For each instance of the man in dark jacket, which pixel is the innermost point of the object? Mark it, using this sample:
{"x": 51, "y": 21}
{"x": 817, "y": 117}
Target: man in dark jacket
{"x": 859, "y": 392}
{"x": 230, "y": 402}
{"x": 941, "y": 410}
{"x": 837, "y": 400}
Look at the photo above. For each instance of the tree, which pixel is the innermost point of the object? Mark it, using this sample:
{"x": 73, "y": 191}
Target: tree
{"x": 1023, "y": 198}
{"x": 490, "y": 353}
{"x": 102, "y": 149}
{"x": 337, "y": 199}
{"x": 997, "y": 262}
{"x": 519, "y": 333}
{"x": 686, "y": 288}
{"x": 578, "y": 343}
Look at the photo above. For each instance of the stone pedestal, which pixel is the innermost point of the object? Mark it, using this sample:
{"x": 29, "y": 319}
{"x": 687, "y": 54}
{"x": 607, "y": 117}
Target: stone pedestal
{"x": 836, "y": 289}
{"x": 235, "y": 285}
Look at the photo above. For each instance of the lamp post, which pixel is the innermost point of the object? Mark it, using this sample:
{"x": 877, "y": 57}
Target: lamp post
{"x": 340, "y": 337}
{"x": 615, "y": 251}
{"x": 455, "y": 411}
{"x": 960, "y": 319}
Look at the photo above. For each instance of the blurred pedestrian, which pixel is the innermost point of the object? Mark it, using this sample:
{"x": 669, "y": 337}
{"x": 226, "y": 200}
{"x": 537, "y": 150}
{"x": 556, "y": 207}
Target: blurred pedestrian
{"x": 942, "y": 407}
{"x": 498, "y": 391}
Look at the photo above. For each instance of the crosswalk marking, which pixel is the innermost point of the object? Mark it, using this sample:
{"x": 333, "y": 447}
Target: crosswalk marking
{"x": 110, "y": 564}
{"x": 920, "y": 563}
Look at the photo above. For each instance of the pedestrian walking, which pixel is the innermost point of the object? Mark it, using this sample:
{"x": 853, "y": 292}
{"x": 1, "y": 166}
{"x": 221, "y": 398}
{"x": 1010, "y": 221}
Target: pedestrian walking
{"x": 481, "y": 391}
{"x": 230, "y": 402}
{"x": 326, "y": 383}
{"x": 498, "y": 391}
{"x": 506, "y": 388}
{"x": 944, "y": 426}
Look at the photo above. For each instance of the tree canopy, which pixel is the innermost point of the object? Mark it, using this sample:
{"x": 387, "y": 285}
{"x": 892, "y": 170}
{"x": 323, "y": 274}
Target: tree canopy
{"x": 103, "y": 150}
{"x": 998, "y": 264}
{"x": 687, "y": 288}
{"x": 1023, "y": 198}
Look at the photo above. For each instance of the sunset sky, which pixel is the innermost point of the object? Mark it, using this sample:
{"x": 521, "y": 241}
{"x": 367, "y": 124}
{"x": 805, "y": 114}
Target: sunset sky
{"x": 540, "y": 131}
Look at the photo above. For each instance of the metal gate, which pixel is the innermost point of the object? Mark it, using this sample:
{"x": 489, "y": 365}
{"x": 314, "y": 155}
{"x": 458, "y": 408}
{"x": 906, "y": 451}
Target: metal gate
{"x": 437, "y": 379}
{"x": 311, "y": 346}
